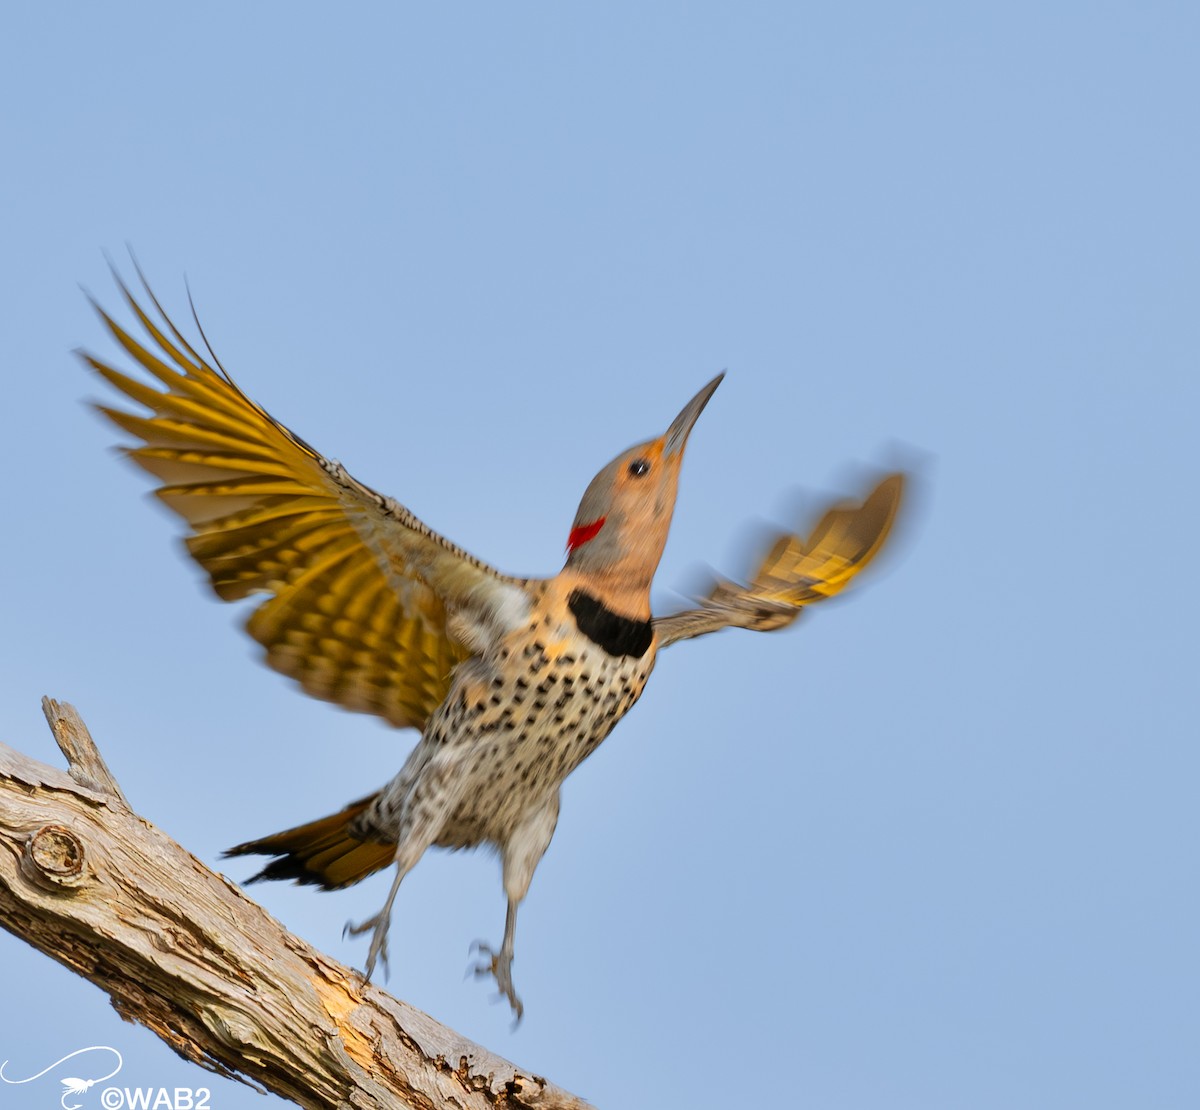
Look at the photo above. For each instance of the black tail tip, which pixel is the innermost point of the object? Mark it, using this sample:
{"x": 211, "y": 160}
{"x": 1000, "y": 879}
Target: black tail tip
{"x": 284, "y": 868}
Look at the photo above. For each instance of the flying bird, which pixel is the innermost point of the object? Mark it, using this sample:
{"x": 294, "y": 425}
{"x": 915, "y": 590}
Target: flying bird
{"x": 512, "y": 682}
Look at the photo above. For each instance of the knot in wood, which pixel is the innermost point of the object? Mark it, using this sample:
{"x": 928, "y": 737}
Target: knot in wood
{"x": 53, "y": 857}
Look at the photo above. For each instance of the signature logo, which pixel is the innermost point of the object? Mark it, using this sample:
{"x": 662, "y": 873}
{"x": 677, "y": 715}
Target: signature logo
{"x": 72, "y": 1085}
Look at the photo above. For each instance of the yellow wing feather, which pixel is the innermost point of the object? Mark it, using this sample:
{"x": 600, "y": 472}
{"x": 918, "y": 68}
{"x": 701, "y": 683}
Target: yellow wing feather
{"x": 796, "y": 571}
{"x": 361, "y": 591}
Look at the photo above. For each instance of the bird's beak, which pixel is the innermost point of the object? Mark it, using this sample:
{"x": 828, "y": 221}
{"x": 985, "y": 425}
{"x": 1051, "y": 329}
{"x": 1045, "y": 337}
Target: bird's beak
{"x": 677, "y": 433}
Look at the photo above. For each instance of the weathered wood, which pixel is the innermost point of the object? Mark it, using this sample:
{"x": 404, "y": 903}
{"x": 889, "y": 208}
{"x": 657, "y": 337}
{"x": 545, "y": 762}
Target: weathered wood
{"x": 84, "y": 762}
{"x": 183, "y": 951}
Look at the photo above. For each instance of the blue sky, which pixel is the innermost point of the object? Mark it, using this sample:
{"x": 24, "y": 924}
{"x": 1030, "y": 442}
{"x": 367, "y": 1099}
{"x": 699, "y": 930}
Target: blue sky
{"x": 934, "y": 847}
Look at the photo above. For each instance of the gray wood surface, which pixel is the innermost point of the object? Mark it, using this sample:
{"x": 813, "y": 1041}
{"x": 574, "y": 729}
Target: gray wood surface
{"x": 183, "y": 951}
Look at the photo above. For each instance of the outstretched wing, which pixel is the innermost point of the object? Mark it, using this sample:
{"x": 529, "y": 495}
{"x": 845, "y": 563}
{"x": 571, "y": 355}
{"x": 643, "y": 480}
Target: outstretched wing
{"x": 361, "y": 593}
{"x": 796, "y": 571}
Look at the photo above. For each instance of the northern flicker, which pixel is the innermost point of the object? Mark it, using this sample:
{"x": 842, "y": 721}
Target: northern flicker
{"x": 511, "y": 681}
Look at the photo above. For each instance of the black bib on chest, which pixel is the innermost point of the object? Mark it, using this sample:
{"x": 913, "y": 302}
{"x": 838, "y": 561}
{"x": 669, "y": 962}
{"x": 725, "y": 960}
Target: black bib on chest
{"x": 616, "y": 634}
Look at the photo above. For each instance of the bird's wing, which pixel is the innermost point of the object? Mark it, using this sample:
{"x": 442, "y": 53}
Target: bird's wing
{"x": 361, "y": 594}
{"x": 796, "y": 571}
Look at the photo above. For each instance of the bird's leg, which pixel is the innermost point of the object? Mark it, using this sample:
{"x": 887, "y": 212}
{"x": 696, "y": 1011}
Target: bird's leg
{"x": 422, "y": 809}
{"x": 379, "y": 923}
{"x": 521, "y": 851}
{"x": 499, "y": 964}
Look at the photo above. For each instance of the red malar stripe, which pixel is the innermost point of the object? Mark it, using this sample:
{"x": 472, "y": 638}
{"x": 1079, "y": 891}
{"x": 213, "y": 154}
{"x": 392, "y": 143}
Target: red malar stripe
{"x": 583, "y": 533}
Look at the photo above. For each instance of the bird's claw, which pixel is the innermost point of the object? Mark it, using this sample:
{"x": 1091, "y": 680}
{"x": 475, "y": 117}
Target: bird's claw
{"x": 499, "y": 966}
{"x": 378, "y": 926}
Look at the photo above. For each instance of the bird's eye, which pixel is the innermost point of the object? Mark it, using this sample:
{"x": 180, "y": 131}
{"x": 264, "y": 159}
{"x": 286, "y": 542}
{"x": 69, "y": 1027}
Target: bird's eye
{"x": 639, "y": 468}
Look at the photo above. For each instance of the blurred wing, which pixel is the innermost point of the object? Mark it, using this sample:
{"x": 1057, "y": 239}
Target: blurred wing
{"x": 360, "y": 591}
{"x": 796, "y": 571}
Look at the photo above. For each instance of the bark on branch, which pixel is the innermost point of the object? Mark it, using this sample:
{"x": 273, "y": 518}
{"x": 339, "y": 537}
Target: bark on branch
{"x": 183, "y": 951}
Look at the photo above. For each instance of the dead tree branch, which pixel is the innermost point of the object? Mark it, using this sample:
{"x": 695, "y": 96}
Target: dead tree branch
{"x": 183, "y": 951}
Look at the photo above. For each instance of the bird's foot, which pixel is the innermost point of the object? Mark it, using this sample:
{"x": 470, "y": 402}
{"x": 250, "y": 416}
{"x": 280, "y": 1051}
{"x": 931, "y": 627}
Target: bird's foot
{"x": 378, "y": 926}
{"x": 499, "y": 966}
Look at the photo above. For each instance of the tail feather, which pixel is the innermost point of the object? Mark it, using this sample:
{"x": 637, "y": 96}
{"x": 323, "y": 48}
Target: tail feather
{"x": 322, "y": 852}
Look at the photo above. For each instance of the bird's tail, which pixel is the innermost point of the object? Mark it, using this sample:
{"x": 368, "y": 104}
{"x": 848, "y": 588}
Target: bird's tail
{"x": 322, "y": 852}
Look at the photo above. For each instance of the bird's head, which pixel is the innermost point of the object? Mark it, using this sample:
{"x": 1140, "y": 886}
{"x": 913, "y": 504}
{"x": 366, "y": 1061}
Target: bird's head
{"x": 621, "y": 527}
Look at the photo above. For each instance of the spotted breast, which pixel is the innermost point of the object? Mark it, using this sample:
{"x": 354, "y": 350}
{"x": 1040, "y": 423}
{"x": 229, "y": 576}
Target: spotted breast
{"x": 520, "y": 718}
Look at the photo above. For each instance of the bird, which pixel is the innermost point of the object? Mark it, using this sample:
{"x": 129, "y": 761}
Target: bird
{"x": 511, "y": 682}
